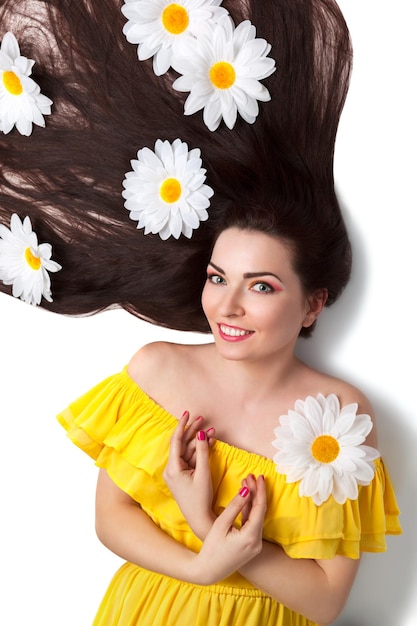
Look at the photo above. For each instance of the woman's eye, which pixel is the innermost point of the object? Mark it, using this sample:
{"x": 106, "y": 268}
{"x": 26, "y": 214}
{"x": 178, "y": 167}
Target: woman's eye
{"x": 215, "y": 279}
{"x": 262, "y": 288}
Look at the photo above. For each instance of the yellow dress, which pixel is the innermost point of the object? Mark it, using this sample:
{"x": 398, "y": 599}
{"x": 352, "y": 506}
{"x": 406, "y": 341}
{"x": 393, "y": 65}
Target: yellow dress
{"x": 128, "y": 434}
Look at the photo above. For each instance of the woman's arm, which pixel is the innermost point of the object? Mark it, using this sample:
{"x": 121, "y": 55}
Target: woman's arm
{"x": 316, "y": 589}
{"x": 126, "y": 530}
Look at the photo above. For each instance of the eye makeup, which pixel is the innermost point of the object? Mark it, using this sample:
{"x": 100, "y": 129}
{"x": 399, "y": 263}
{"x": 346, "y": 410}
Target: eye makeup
{"x": 275, "y": 285}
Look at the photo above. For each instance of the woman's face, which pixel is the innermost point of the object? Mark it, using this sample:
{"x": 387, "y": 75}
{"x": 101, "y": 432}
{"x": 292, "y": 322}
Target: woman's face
{"x": 253, "y": 299}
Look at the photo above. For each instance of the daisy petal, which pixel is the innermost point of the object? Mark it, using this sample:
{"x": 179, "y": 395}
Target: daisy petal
{"x": 166, "y": 191}
{"x": 221, "y": 69}
{"x": 21, "y": 102}
{"x": 159, "y": 27}
{"x": 320, "y": 445}
{"x": 23, "y": 263}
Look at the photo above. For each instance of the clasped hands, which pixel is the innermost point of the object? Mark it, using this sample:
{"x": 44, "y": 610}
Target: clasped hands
{"x": 225, "y": 547}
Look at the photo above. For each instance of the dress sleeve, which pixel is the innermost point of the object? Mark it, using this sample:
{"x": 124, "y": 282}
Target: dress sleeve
{"x": 306, "y": 530}
{"x": 124, "y": 431}
{"x": 91, "y": 418}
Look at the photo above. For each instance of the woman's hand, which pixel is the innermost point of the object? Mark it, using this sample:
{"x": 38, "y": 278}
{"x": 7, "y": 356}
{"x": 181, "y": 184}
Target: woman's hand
{"x": 227, "y": 548}
{"x": 187, "y": 473}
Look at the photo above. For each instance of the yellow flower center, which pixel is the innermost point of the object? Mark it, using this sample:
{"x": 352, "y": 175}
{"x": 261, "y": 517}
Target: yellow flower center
{"x": 12, "y": 83}
{"x": 325, "y": 448}
{"x": 170, "y": 190}
{"x": 222, "y": 75}
{"x": 33, "y": 261}
{"x": 175, "y": 19}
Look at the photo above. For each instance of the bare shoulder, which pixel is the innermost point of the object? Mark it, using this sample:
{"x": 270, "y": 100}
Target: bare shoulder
{"x": 152, "y": 359}
{"x": 163, "y": 365}
{"x": 348, "y": 394}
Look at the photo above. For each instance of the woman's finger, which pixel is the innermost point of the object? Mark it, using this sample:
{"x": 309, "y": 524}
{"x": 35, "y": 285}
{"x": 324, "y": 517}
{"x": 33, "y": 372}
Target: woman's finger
{"x": 202, "y": 467}
{"x": 190, "y": 458}
{"x": 246, "y": 509}
{"x": 211, "y": 434}
{"x": 258, "y": 501}
{"x": 230, "y": 513}
{"x": 189, "y": 453}
{"x": 176, "y": 443}
{"x": 193, "y": 425}
{"x": 178, "y": 434}
{"x": 257, "y": 508}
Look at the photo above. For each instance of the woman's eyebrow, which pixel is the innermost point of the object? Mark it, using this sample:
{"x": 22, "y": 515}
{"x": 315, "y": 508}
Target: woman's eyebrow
{"x": 216, "y": 267}
{"x": 260, "y": 274}
{"x": 247, "y": 274}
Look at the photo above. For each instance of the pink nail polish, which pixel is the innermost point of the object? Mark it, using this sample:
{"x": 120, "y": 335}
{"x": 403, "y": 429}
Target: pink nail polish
{"x": 210, "y": 430}
{"x": 201, "y": 435}
{"x": 244, "y": 492}
{"x": 184, "y": 414}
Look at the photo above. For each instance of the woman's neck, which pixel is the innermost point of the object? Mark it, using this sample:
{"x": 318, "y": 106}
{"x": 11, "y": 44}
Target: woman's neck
{"x": 257, "y": 378}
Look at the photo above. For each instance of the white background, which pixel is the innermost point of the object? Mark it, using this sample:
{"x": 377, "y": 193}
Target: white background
{"x": 54, "y": 571}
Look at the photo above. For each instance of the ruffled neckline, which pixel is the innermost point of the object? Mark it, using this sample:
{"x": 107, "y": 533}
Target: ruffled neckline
{"x": 222, "y": 447}
{"x": 127, "y": 433}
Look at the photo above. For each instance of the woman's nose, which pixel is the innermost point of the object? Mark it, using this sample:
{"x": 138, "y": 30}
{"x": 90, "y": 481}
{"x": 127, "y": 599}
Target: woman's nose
{"x": 232, "y": 304}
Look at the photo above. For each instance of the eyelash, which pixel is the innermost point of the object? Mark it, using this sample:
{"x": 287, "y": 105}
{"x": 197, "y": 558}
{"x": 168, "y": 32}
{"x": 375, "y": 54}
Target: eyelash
{"x": 211, "y": 277}
{"x": 270, "y": 289}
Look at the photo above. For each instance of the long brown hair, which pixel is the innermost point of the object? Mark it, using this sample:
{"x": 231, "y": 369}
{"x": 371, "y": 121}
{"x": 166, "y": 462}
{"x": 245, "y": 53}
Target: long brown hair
{"x": 68, "y": 176}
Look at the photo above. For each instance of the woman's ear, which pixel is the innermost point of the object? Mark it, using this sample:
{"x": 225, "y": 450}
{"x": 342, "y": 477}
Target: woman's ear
{"x": 315, "y": 304}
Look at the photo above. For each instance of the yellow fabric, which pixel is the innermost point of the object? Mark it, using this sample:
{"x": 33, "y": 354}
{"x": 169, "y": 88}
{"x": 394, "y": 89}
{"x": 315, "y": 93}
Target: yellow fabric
{"x": 128, "y": 434}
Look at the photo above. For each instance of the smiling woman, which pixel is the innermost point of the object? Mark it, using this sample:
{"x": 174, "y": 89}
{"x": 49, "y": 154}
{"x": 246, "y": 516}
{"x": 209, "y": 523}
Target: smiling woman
{"x": 238, "y": 483}
{"x": 258, "y": 295}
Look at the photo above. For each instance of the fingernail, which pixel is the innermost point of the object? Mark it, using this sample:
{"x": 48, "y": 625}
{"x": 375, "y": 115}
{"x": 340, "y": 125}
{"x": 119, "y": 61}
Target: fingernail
{"x": 244, "y": 492}
{"x": 201, "y": 435}
{"x": 184, "y": 414}
{"x": 252, "y": 476}
{"x": 210, "y": 430}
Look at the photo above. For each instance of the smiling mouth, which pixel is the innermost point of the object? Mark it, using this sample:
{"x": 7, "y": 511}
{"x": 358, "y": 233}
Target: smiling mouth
{"x": 233, "y": 332}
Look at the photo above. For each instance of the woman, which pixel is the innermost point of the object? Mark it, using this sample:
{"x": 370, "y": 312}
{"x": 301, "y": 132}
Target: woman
{"x": 276, "y": 250}
{"x": 302, "y": 571}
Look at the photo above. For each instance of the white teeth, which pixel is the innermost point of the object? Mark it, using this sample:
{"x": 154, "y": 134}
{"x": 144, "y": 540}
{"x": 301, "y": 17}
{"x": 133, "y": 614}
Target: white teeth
{"x": 233, "y": 332}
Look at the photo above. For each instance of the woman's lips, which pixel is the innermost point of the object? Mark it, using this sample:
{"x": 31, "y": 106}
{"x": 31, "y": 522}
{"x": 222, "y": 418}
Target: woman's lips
{"x": 233, "y": 333}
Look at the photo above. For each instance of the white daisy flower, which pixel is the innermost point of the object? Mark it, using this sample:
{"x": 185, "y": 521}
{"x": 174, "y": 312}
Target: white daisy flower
{"x": 159, "y": 25}
{"x": 24, "y": 263}
{"x": 222, "y": 70}
{"x": 21, "y": 102}
{"x": 320, "y": 445}
{"x": 165, "y": 191}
